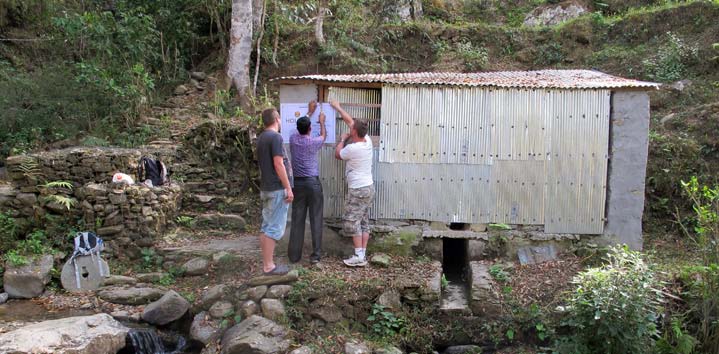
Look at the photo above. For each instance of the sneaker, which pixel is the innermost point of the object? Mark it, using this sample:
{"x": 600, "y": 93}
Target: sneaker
{"x": 355, "y": 261}
{"x": 278, "y": 270}
{"x": 314, "y": 260}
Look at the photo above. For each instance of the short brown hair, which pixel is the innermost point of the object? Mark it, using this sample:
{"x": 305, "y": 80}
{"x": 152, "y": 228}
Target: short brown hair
{"x": 268, "y": 116}
{"x": 361, "y": 128}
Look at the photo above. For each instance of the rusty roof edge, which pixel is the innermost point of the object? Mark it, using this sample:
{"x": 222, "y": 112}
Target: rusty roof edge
{"x": 562, "y": 79}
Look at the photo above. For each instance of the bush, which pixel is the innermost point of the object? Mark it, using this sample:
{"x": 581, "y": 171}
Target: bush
{"x": 703, "y": 280}
{"x": 672, "y": 59}
{"x": 475, "y": 58}
{"x": 35, "y": 244}
{"x": 8, "y": 232}
{"x": 614, "y": 308}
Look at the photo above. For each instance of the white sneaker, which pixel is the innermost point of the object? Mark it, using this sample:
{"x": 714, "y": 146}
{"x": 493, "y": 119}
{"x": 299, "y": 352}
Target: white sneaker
{"x": 355, "y": 261}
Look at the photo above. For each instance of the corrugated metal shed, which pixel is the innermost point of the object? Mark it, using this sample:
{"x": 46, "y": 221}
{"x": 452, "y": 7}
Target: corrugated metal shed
{"x": 514, "y": 147}
{"x": 557, "y": 79}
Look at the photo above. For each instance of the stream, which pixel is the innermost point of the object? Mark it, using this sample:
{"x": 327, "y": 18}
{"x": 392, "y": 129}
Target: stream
{"x": 142, "y": 339}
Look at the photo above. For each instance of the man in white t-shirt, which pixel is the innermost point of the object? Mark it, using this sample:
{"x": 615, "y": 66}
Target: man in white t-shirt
{"x": 357, "y": 155}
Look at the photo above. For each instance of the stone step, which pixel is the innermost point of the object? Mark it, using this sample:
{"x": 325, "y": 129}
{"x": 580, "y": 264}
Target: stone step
{"x": 214, "y": 249}
{"x": 455, "y": 298}
{"x": 484, "y": 298}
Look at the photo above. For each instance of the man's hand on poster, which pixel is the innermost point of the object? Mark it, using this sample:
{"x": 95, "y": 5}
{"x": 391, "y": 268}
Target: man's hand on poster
{"x": 311, "y": 107}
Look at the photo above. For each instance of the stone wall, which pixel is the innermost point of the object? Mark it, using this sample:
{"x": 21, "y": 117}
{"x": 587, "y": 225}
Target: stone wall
{"x": 79, "y": 165}
{"x": 130, "y": 217}
{"x": 126, "y": 217}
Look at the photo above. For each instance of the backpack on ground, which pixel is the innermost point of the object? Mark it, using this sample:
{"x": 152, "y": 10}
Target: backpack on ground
{"x": 87, "y": 244}
{"x": 153, "y": 170}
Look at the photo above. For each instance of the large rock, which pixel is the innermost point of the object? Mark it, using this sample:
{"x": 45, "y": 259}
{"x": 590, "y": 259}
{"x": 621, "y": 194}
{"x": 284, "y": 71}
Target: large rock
{"x": 150, "y": 277}
{"x": 213, "y": 295}
{"x": 356, "y": 348}
{"x": 381, "y": 260}
{"x": 485, "y": 300}
{"x": 204, "y": 329}
{"x": 256, "y": 293}
{"x": 255, "y": 335}
{"x": 537, "y": 254}
{"x": 248, "y": 308}
{"x": 221, "y": 309}
{"x": 130, "y": 296}
{"x": 221, "y": 221}
{"x": 388, "y": 350}
{"x": 302, "y": 350}
{"x": 77, "y": 335}
{"x": 28, "y": 281}
{"x": 279, "y": 291}
{"x": 196, "y": 266}
{"x": 198, "y": 75}
{"x": 118, "y": 280}
{"x": 170, "y": 307}
{"x": 27, "y": 199}
{"x": 549, "y": 15}
{"x": 329, "y": 312}
{"x": 462, "y": 349}
{"x": 390, "y": 299}
{"x": 272, "y": 309}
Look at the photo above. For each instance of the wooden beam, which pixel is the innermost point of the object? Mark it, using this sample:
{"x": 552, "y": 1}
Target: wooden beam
{"x": 368, "y": 105}
{"x": 374, "y": 85}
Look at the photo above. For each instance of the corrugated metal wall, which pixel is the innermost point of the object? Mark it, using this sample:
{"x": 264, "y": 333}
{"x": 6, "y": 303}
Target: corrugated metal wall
{"x": 481, "y": 155}
{"x": 358, "y": 96}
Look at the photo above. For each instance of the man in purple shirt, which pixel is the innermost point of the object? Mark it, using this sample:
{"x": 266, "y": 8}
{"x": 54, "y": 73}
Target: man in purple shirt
{"x": 307, "y": 189}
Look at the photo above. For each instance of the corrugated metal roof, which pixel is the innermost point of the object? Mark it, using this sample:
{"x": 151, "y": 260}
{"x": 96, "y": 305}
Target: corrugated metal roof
{"x": 558, "y": 79}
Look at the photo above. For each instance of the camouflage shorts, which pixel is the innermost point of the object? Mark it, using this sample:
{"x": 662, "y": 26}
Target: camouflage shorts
{"x": 355, "y": 219}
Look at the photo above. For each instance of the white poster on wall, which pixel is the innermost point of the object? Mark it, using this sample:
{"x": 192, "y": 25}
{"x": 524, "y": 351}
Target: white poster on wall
{"x": 291, "y": 112}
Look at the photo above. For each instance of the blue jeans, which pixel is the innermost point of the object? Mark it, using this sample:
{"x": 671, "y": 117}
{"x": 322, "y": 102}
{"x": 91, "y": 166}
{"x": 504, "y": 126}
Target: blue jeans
{"x": 274, "y": 213}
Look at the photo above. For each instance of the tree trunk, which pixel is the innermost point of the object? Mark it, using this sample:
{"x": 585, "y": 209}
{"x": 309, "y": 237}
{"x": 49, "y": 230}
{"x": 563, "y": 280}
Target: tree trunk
{"x": 258, "y": 9}
{"x": 319, "y": 32}
{"x": 238, "y": 67}
{"x": 258, "y": 56}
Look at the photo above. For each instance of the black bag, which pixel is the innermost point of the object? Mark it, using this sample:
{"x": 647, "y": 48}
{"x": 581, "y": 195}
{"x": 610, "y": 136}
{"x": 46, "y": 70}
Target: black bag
{"x": 154, "y": 170}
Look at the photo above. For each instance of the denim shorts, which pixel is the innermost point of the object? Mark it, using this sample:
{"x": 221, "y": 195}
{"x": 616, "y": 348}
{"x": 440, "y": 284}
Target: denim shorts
{"x": 274, "y": 213}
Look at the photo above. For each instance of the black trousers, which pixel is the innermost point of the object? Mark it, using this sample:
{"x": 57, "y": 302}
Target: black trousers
{"x": 308, "y": 196}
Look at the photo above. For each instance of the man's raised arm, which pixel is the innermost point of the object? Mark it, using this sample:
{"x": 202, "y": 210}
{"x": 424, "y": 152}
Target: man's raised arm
{"x": 346, "y": 117}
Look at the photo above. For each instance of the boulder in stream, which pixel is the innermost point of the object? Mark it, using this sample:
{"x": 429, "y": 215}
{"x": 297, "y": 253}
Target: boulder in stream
{"x": 78, "y": 335}
{"x": 28, "y": 281}
{"x": 170, "y": 307}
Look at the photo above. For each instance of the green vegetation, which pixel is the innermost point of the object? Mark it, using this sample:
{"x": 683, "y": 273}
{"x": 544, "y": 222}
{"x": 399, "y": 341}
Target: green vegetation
{"x": 8, "y": 232}
{"x": 185, "y": 221}
{"x": 498, "y": 272}
{"x": 35, "y": 244}
{"x": 702, "y": 280}
{"x": 671, "y": 61}
{"x": 614, "y": 308}
{"x": 149, "y": 260}
{"x": 385, "y": 323}
{"x": 104, "y": 65}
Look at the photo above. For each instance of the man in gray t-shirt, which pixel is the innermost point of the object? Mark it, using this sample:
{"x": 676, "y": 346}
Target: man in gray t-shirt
{"x": 276, "y": 190}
